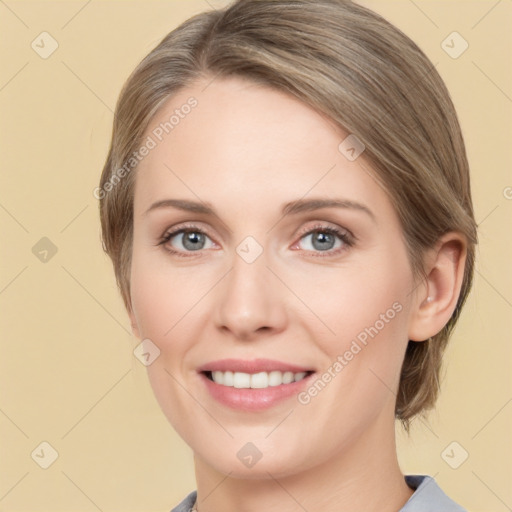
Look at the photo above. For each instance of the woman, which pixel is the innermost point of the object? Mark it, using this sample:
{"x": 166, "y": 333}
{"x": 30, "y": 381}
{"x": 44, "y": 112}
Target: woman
{"x": 286, "y": 203}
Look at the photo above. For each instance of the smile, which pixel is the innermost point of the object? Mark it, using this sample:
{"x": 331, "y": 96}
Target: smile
{"x": 259, "y": 380}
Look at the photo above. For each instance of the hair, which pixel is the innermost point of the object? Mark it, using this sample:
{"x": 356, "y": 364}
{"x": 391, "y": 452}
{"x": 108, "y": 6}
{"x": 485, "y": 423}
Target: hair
{"x": 365, "y": 75}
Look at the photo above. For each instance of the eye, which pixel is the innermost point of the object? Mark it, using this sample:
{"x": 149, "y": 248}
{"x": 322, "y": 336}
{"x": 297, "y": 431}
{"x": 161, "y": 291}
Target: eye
{"x": 320, "y": 239}
{"x": 186, "y": 239}
{"x": 323, "y": 238}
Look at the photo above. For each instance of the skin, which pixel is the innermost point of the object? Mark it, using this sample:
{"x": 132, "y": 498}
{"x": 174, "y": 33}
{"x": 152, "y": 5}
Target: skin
{"x": 247, "y": 150}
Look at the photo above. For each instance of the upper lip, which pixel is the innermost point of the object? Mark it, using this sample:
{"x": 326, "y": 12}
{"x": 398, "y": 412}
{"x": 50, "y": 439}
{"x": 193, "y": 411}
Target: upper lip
{"x": 252, "y": 366}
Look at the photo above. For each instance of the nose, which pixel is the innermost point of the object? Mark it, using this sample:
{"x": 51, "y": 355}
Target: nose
{"x": 250, "y": 300}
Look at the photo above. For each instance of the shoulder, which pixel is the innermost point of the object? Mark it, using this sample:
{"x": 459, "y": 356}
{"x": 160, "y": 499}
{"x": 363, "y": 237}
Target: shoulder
{"x": 428, "y": 496}
{"x": 187, "y": 504}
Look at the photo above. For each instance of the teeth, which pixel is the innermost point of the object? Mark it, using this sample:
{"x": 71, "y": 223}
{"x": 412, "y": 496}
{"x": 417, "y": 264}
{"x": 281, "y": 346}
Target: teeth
{"x": 256, "y": 380}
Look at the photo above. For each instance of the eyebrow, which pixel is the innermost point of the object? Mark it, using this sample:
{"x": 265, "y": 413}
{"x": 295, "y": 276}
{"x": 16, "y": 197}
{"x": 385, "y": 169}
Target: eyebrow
{"x": 307, "y": 205}
{"x": 293, "y": 207}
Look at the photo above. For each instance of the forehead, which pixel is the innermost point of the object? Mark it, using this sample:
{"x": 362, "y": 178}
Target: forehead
{"x": 236, "y": 142}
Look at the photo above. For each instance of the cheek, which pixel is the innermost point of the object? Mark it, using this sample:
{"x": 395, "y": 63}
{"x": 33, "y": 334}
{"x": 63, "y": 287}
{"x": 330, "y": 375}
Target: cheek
{"x": 160, "y": 297}
{"x": 162, "y": 302}
{"x": 368, "y": 313}
{"x": 349, "y": 300}
{"x": 170, "y": 304}
{"x": 152, "y": 306}
{"x": 366, "y": 310}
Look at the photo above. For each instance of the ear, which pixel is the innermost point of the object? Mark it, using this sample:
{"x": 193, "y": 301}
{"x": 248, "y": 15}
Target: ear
{"x": 436, "y": 299}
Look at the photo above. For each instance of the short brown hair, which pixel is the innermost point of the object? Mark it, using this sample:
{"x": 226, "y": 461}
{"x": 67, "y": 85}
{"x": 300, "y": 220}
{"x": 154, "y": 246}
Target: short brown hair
{"x": 351, "y": 65}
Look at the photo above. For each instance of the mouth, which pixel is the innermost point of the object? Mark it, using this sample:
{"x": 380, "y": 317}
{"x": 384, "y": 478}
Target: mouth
{"x": 254, "y": 385}
{"x": 260, "y": 380}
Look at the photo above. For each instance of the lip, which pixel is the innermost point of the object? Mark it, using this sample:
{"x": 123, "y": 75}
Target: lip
{"x": 254, "y": 366}
{"x": 248, "y": 399}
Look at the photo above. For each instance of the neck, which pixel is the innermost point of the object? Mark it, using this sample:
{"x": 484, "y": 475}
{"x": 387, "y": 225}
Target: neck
{"x": 363, "y": 475}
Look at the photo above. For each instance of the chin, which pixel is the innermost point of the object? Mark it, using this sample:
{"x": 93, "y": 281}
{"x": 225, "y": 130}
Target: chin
{"x": 275, "y": 464}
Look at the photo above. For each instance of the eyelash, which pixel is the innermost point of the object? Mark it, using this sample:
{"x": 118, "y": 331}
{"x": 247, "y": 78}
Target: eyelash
{"x": 345, "y": 236}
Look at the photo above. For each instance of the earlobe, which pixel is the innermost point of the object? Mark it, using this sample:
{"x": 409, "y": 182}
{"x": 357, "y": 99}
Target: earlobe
{"x": 436, "y": 301}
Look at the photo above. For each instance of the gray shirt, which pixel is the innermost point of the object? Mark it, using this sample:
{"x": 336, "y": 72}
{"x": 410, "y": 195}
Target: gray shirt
{"x": 427, "y": 497}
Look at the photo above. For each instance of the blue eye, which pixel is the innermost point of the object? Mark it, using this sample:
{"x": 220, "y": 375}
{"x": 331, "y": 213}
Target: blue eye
{"x": 323, "y": 239}
{"x": 191, "y": 239}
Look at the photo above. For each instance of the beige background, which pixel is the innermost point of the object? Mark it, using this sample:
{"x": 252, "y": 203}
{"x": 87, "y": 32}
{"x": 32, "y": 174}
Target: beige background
{"x": 67, "y": 373}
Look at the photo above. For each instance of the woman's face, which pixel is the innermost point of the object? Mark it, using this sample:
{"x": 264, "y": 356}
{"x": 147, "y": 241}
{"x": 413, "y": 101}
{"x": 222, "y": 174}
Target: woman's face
{"x": 265, "y": 273}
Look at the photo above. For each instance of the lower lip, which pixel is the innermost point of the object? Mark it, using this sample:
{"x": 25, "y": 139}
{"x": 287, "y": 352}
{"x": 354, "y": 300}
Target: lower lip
{"x": 248, "y": 399}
